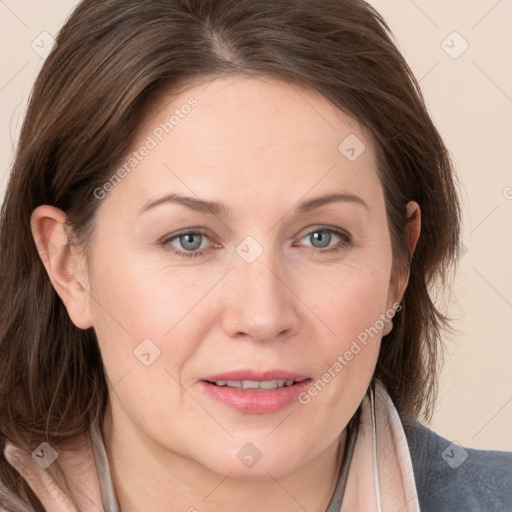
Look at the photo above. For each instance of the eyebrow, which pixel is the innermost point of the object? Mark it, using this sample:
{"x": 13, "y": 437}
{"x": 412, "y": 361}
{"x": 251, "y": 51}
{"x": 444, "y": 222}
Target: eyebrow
{"x": 220, "y": 209}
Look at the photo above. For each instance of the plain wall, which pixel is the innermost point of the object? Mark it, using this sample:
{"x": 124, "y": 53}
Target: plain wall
{"x": 469, "y": 95}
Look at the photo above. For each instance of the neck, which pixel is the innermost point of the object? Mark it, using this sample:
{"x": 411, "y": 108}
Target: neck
{"x": 150, "y": 477}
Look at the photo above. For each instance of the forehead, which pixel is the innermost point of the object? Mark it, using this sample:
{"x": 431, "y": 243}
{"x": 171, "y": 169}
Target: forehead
{"x": 249, "y": 135}
{"x": 252, "y": 111}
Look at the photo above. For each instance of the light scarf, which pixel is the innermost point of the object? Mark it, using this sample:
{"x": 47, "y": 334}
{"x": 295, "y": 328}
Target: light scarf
{"x": 380, "y": 477}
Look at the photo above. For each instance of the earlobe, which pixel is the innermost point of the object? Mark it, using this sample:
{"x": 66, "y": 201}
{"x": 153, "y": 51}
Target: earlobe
{"x": 63, "y": 263}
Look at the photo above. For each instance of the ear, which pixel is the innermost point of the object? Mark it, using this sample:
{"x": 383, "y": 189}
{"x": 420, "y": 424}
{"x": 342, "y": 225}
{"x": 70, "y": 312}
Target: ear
{"x": 63, "y": 262}
{"x": 400, "y": 278}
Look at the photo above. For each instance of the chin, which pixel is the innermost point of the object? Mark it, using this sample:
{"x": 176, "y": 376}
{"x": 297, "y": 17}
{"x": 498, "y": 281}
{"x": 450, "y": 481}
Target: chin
{"x": 251, "y": 463}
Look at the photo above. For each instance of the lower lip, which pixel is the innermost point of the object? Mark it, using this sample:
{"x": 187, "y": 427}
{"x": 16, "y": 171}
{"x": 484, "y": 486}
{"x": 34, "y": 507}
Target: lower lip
{"x": 256, "y": 402}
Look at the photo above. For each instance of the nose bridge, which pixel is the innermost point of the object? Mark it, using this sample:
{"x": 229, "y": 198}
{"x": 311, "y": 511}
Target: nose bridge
{"x": 261, "y": 304}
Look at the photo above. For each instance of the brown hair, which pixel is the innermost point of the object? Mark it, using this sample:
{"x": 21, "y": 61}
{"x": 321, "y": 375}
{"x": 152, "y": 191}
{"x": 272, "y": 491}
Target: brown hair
{"x": 113, "y": 58}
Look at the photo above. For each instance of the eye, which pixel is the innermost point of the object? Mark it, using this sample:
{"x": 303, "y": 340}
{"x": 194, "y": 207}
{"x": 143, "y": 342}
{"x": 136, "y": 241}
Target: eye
{"x": 322, "y": 237}
{"x": 190, "y": 242}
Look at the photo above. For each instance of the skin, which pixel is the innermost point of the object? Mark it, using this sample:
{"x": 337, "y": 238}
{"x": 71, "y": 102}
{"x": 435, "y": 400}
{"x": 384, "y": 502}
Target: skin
{"x": 260, "y": 147}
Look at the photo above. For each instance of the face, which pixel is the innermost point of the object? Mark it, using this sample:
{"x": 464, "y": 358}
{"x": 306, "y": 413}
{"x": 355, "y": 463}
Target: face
{"x": 270, "y": 286}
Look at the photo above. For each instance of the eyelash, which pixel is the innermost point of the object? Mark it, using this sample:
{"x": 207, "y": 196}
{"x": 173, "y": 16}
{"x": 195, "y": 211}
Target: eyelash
{"x": 346, "y": 241}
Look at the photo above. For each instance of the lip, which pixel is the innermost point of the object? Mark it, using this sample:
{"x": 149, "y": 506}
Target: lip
{"x": 249, "y": 374}
{"x": 253, "y": 401}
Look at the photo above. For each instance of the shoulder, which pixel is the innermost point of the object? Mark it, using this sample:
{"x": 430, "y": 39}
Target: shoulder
{"x": 451, "y": 478}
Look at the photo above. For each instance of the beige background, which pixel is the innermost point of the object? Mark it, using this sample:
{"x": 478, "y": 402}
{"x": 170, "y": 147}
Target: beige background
{"x": 469, "y": 95}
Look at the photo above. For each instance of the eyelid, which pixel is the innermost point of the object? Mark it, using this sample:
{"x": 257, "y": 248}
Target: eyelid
{"x": 345, "y": 236}
{"x": 188, "y": 231}
{"x": 307, "y": 230}
{"x": 342, "y": 233}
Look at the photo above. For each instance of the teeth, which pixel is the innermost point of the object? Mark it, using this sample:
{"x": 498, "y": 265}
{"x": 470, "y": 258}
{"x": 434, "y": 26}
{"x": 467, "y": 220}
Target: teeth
{"x": 271, "y": 384}
{"x": 250, "y": 384}
{"x": 255, "y": 384}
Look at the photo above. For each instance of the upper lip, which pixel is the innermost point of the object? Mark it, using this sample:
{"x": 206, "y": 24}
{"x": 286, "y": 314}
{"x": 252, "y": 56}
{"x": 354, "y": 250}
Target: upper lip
{"x": 256, "y": 375}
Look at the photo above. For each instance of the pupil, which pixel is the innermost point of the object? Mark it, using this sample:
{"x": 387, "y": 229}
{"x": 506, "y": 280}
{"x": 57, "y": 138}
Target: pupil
{"x": 188, "y": 238}
{"x": 322, "y": 235}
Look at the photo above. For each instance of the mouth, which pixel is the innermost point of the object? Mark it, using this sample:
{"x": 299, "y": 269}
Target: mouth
{"x": 255, "y": 385}
{"x": 255, "y": 392}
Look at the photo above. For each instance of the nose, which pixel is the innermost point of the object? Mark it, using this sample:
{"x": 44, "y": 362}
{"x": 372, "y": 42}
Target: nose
{"x": 260, "y": 300}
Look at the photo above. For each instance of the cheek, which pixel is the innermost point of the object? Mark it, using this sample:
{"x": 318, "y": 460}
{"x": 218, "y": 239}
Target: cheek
{"x": 350, "y": 303}
{"x": 143, "y": 338}
{"x": 145, "y": 312}
{"x": 351, "y": 298}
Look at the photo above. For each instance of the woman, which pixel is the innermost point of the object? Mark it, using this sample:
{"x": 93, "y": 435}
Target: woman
{"x": 217, "y": 246}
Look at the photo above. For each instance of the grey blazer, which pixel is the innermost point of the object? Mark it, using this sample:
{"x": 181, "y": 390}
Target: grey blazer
{"x": 451, "y": 478}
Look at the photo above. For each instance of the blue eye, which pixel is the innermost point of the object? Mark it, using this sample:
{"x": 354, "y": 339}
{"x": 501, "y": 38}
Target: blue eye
{"x": 191, "y": 241}
{"x": 323, "y": 236}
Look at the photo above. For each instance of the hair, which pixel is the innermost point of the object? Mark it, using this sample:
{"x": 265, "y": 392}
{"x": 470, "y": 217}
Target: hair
{"x": 112, "y": 61}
